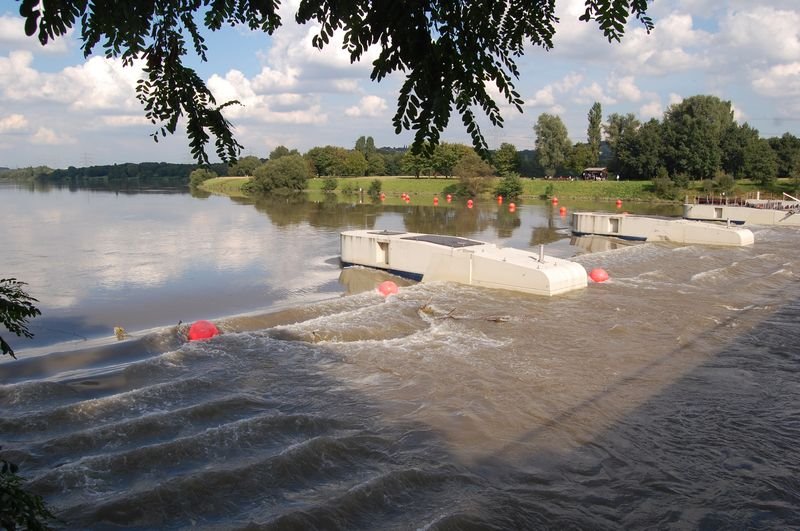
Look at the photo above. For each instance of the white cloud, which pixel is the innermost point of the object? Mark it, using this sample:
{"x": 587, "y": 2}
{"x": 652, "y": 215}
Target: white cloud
{"x": 781, "y": 80}
{"x": 47, "y": 136}
{"x": 651, "y": 110}
{"x": 12, "y": 35}
{"x": 371, "y": 106}
{"x": 625, "y": 87}
{"x": 13, "y": 122}
{"x": 761, "y": 33}
{"x": 594, "y": 92}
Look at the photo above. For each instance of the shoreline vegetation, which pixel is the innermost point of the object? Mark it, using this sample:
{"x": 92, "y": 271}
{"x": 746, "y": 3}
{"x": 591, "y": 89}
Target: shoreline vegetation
{"x": 425, "y": 188}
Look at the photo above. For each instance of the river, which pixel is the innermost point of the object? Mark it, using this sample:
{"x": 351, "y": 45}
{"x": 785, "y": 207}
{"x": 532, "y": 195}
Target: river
{"x": 667, "y": 397}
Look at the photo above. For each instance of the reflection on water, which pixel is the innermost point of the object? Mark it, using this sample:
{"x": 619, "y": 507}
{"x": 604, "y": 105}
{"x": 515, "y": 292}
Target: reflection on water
{"x": 98, "y": 259}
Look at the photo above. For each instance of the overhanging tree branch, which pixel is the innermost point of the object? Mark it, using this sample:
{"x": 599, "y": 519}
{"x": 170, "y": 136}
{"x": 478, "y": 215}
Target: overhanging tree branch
{"x": 448, "y": 50}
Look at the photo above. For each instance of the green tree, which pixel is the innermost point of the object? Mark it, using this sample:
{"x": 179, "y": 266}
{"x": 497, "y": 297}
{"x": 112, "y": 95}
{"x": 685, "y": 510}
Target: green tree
{"x": 787, "y": 148}
{"x": 416, "y": 163}
{"x": 473, "y": 173}
{"x": 199, "y": 176}
{"x": 580, "y": 158}
{"x": 692, "y": 135}
{"x": 366, "y": 145}
{"x": 464, "y": 46}
{"x": 639, "y": 151}
{"x": 280, "y": 175}
{"x": 324, "y": 160}
{"x": 509, "y": 186}
{"x": 760, "y": 163}
{"x": 552, "y": 142}
{"x": 281, "y": 151}
{"x": 245, "y": 166}
{"x": 506, "y": 159}
{"x": 350, "y": 163}
{"x": 376, "y": 164}
{"x": 593, "y": 132}
{"x": 616, "y": 127}
{"x": 733, "y": 143}
{"x": 445, "y": 156}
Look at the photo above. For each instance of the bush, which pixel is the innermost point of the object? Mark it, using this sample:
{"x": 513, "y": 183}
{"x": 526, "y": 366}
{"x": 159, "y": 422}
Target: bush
{"x": 665, "y": 188}
{"x": 287, "y": 173}
{"x": 374, "y": 189}
{"x": 199, "y": 176}
{"x": 549, "y": 191}
{"x": 509, "y": 186}
{"x": 19, "y": 508}
{"x": 348, "y": 189}
{"x": 329, "y": 185}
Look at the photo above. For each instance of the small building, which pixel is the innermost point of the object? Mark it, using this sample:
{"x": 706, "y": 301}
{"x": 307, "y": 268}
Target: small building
{"x": 595, "y": 174}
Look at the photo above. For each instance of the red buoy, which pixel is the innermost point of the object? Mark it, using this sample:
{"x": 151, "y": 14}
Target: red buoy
{"x": 387, "y": 287}
{"x": 619, "y": 203}
{"x": 383, "y": 196}
{"x": 435, "y": 201}
{"x": 202, "y": 330}
{"x": 449, "y": 198}
{"x": 469, "y": 203}
{"x": 562, "y": 211}
{"x": 555, "y": 200}
{"x": 499, "y": 199}
{"x": 512, "y": 207}
{"x": 598, "y": 275}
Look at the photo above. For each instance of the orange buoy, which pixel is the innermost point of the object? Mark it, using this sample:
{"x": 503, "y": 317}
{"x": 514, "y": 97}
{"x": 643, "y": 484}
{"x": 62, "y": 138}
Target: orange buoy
{"x": 562, "y": 211}
{"x": 598, "y": 275}
{"x": 499, "y": 199}
{"x": 202, "y": 330}
{"x": 387, "y": 287}
{"x": 435, "y": 201}
{"x": 555, "y": 200}
{"x": 469, "y": 203}
{"x": 383, "y": 196}
{"x": 619, "y": 203}
{"x": 512, "y": 207}
{"x": 449, "y": 198}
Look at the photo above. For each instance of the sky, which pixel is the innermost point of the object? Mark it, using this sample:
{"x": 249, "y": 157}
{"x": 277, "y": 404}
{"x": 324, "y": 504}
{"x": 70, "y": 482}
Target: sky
{"x": 60, "y": 109}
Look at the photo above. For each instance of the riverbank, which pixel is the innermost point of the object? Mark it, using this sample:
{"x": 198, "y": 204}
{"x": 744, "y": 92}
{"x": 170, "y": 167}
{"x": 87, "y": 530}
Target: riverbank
{"x": 533, "y": 189}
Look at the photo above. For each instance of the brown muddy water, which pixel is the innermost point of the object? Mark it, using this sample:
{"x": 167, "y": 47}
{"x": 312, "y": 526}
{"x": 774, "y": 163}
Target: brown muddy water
{"x": 665, "y": 398}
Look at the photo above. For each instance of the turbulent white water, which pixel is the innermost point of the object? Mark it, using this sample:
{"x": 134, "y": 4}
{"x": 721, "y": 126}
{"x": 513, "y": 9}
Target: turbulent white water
{"x": 666, "y": 397}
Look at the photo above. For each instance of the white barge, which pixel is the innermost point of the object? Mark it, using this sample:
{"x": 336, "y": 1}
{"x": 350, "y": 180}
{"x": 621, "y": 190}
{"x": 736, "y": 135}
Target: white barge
{"x": 653, "y": 229}
{"x": 749, "y": 212}
{"x": 430, "y": 257}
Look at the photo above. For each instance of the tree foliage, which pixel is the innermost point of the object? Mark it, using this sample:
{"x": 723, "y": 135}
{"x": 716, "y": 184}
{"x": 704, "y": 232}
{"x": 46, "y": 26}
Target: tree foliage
{"x": 473, "y": 172}
{"x": 552, "y": 142}
{"x": 20, "y": 509}
{"x": 692, "y": 132}
{"x": 289, "y": 173}
{"x": 506, "y": 159}
{"x": 16, "y": 307}
{"x": 509, "y": 186}
{"x": 760, "y": 163}
{"x": 200, "y": 175}
{"x": 617, "y": 126}
{"x": 593, "y": 132}
{"x": 245, "y": 166}
{"x": 463, "y": 46}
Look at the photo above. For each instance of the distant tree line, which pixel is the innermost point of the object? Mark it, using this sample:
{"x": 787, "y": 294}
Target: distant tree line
{"x": 697, "y": 139}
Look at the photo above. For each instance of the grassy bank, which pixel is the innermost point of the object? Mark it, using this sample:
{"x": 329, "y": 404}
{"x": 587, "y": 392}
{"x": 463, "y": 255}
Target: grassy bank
{"x": 425, "y": 188}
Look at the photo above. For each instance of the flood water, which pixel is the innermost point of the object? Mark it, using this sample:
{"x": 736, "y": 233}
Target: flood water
{"x": 665, "y": 398}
